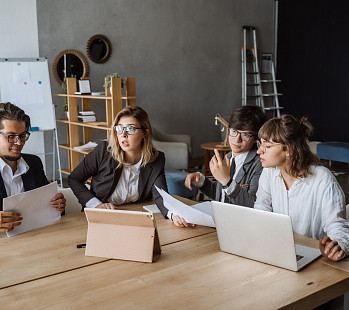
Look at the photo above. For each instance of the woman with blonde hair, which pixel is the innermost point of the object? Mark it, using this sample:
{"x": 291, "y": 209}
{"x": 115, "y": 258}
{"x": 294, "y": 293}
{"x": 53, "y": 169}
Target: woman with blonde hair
{"x": 294, "y": 183}
{"x": 125, "y": 168}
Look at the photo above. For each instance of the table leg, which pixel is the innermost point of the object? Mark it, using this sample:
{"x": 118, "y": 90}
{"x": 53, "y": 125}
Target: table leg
{"x": 206, "y": 163}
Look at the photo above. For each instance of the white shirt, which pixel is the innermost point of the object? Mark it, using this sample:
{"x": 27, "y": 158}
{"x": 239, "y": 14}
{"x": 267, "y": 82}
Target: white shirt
{"x": 239, "y": 161}
{"x": 316, "y": 204}
{"x": 13, "y": 182}
{"x": 127, "y": 188}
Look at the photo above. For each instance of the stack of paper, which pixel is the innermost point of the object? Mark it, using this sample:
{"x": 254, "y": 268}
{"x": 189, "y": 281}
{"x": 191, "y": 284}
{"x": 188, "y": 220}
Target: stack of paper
{"x": 87, "y": 116}
{"x": 87, "y": 146}
{"x": 200, "y": 214}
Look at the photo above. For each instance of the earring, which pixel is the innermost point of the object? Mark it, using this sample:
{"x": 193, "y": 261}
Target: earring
{"x": 287, "y": 157}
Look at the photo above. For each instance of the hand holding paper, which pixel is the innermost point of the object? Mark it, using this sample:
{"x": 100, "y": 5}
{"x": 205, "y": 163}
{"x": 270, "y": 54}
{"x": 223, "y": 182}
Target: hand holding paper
{"x": 35, "y": 208}
{"x": 200, "y": 214}
{"x": 9, "y": 220}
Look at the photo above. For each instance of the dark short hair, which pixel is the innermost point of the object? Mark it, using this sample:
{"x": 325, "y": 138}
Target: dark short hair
{"x": 248, "y": 117}
{"x": 11, "y": 112}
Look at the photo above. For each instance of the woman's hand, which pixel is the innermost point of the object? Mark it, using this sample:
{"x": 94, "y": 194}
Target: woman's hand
{"x": 331, "y": 249}
{"x": 107, "y": 205}
{"x": 180, "y": 221}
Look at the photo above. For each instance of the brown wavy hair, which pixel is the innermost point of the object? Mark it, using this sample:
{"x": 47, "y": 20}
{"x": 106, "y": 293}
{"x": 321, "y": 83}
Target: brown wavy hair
{"x": 150, "y": 153}
{"x": 293, "y": 135}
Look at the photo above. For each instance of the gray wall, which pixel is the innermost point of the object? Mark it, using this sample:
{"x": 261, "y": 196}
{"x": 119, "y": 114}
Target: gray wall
{"x": 185, "y": 54}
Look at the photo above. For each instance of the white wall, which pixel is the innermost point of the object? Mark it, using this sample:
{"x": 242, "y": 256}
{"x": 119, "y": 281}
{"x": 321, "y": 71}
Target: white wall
{"x": 18, "y": 29}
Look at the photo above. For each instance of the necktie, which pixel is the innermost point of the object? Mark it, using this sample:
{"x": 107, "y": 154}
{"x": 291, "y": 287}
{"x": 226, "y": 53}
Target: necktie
{"x": 232, "y": 171}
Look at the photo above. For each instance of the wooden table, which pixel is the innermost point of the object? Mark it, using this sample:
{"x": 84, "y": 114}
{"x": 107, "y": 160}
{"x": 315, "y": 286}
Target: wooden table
{"x": 209, "y": 147}
{"x": 52, "y": 249}
{"x": 43, "y": 269}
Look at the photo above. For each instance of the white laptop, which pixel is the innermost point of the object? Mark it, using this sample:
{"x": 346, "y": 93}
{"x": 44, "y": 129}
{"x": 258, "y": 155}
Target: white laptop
{"x": 260, "y": 235}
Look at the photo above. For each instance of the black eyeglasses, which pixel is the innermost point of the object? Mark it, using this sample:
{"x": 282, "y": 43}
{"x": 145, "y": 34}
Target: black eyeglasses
{"x": 14, "y": 138}
{"x": 130, "y": 130}
{"x": 245, "y": 136}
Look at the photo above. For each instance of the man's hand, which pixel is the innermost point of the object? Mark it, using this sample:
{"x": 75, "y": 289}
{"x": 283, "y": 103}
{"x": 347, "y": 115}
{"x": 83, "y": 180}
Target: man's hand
{"x": 9, "y": 220}
{"x": 107, "y": 205}
{"x": 58, "y": 202}
{"x": 191, "y": 177}
{"x": 219, "y": 169}
{"x": 180, "y": 221}
{"x": 331, "y": 249}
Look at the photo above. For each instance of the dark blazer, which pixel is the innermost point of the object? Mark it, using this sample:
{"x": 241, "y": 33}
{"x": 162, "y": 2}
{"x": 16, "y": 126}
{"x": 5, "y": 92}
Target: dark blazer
{"x": 105, "y": 176}
{"x": 247, "y": 179}
{"x": 34, "y": 178}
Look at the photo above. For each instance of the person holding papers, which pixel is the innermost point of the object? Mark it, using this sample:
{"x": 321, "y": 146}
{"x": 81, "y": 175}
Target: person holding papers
{"x": 124, "y": 169}
{"x": 294, "y": 183}
{"x": 238, "y": 173}
{"x": 18, "y": 172}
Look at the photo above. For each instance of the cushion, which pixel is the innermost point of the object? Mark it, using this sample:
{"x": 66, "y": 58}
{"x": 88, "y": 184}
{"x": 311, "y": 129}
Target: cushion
{"x": 175, "y": 183}
{"x": 337, "y": 151}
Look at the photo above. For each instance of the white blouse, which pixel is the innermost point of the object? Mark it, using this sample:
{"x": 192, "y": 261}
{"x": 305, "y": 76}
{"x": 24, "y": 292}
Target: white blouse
{"x": 316, "y": 204}
{"x": 127, "y": 188}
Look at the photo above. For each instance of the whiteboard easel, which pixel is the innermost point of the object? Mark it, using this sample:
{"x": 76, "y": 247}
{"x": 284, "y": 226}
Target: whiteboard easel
{"x": 25, "y": 82}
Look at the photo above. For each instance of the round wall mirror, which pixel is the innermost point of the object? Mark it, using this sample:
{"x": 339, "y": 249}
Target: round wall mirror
{"x": 98, "y": 48}
{"x": 69, "y": 63}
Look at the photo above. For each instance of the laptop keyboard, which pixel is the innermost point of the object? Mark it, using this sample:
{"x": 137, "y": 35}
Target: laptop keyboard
{"x": 298, "y": 257}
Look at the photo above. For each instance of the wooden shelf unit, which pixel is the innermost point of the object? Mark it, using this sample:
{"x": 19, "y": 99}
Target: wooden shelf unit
{"x": 113, "y": 104}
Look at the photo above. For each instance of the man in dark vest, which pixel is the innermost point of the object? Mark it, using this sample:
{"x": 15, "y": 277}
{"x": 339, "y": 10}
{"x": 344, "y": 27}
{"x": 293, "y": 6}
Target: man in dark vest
{"x": 18, "y": 172}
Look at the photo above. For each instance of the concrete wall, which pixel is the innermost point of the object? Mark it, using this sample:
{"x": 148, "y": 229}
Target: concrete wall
{"x": 18, "y": 29}
{"x": 185, "y": 54}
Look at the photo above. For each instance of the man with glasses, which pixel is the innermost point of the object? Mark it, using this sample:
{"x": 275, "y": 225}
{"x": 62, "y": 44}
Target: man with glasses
{"x": 18, "y": 172}
{"x": 238, "y": 173}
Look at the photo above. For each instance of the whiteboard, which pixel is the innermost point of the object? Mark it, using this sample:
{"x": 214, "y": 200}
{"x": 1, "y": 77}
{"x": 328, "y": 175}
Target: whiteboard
{"x": 25, "y": 82}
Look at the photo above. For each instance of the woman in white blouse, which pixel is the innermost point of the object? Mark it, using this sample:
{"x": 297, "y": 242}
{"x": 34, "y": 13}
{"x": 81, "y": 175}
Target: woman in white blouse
{"x": 294, "y": 183}
{"x": 125, "y": 168}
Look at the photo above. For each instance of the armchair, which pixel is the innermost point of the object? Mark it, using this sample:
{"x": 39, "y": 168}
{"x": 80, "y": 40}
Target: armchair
{"x": 178, "y": 150}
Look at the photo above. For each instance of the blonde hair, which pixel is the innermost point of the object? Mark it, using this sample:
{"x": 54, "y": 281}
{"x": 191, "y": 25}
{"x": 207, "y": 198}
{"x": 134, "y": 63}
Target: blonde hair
{"x": 149, "y": 152}
{"x": 293, "y": 135}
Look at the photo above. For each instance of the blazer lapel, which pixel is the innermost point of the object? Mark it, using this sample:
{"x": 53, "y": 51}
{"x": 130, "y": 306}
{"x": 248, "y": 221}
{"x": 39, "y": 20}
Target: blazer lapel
{"x": 143, "y": 178}
{"x": 250, "y": 156}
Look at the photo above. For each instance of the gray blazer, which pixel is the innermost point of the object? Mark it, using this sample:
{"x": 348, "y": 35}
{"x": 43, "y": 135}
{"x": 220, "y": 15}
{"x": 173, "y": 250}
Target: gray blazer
{"x": 247, "y": 179}
{"x": 105, "y": 176}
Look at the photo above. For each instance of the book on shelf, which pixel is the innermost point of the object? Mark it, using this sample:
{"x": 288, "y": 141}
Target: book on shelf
{"x": 98, "y": 93}
{"x": 86, "y": 113}
{"x": 89, "y": 118}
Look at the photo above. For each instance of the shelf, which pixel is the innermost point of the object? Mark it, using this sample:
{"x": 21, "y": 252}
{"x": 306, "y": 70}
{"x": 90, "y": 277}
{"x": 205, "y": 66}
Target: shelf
{"x": 93, "y": 97}
{"x": 67, "y": 147}
{"x": 65, "y": 171}
{"x": 96, "y": 125}
{"x": 113, "y": 100}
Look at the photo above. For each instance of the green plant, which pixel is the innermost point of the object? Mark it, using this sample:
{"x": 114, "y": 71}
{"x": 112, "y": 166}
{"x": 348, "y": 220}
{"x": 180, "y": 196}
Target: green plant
{"x": 108, "y": 78}
{"x": 65, "y": 107}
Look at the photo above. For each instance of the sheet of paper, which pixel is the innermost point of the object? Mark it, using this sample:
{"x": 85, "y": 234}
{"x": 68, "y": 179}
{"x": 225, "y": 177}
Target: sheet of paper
{"x": 35, "y": 208}
{"x": 152, "y": 208}
{"x": 189, "y": 213}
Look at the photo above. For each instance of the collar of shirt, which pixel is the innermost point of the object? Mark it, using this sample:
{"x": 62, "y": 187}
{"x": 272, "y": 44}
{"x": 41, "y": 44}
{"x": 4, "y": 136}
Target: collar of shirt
{"x": 135, "y": 166}
{"x": 22, "y": 167}
{"x": 239, "y": 159}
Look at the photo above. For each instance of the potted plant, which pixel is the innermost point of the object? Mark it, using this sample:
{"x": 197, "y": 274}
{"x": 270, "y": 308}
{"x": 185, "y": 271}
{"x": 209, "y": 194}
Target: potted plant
{"x": 107, "y": 80}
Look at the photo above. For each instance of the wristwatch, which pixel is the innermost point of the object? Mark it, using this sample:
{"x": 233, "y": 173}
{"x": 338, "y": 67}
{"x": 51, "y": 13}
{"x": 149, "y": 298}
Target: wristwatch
{"x": 228, "y": 184}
